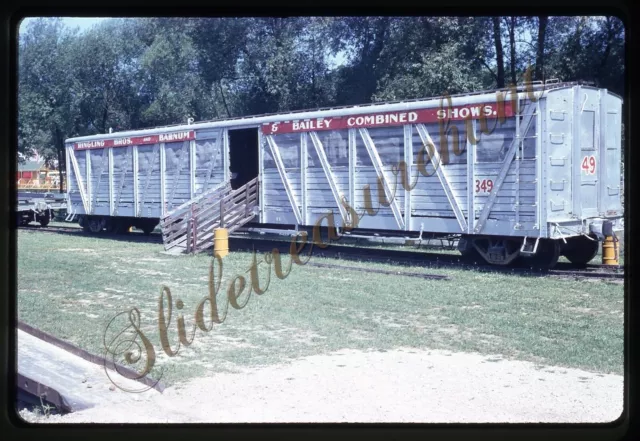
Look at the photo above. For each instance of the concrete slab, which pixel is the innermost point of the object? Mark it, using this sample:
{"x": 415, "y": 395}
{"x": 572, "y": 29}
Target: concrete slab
{"x": 81, "y": 383}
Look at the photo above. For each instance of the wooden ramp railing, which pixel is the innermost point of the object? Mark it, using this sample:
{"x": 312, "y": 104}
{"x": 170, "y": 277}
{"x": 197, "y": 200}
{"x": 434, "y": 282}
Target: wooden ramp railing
{"x": 190, "y": 227}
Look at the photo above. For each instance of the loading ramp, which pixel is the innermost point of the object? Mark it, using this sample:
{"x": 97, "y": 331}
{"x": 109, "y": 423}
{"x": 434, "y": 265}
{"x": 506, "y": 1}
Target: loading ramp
{"x": 190, "y": 228}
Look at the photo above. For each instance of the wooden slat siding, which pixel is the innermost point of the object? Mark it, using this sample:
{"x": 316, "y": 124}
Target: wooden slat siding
{"x": 379, "y": 166}
{"x": 208, "y": 156}
{"x": 123, "y": 175}
{"x": 148, "y": 174}
{"x": 99, "y": 162}
{"x": 78, "y": 170}
{"x": 275, "y": 152}
{"x": 182, "y": 183}
{"x": 506, "y": 166}
{"x": 443, "y": 176}
{"x": 428, "y": 194}
{"x": 177, "y": 174}
{"x": 335, "y": 189}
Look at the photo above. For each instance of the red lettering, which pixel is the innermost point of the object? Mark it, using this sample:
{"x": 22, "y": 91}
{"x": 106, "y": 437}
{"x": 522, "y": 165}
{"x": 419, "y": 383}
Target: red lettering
{"x": 424, "y": 116}
{"x": 589, "y": 165}
{"x": 140, "y": 140}
{"x": 484, "y": 186}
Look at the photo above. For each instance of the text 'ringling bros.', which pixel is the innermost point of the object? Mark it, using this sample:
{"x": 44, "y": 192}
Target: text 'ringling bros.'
{"x": 186, "y": 135}
{"x": 436, "y": 114}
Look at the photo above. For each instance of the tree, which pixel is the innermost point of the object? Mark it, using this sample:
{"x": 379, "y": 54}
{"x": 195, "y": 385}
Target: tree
{"x": 433, "y": 56}
{"x": 363, "y": 39}
{"x": 497, "y": 36}
{"x": 46, "y": 111}
{"x": 512, "y": 24}
{"x": 171, "y": 81}
{"x": 136, "y": 73}
{"x": 542, "y": 28}
{"x": 107, "y": 77}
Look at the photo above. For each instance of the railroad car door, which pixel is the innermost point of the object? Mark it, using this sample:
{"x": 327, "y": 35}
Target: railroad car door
{"x": 243, "y": 156}
{"x": 610, "y": 155}
{"x": 586, "y": 135}
{"x": 556, "y": 156}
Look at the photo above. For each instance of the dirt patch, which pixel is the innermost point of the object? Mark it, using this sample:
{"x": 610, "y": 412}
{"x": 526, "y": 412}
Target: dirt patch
{"x": 81, "y": 250}
{"x": 151, "y": 272}
{"x": 402, "y": 385}
{"x": 582, "y": 310}
{"x": 151, "y": 259}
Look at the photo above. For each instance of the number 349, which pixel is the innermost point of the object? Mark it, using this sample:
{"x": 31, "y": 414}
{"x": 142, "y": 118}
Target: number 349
{"x": 484, "y": 186}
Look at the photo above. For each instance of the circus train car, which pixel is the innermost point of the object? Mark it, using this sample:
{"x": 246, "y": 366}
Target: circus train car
{"x": 528, "y": 172}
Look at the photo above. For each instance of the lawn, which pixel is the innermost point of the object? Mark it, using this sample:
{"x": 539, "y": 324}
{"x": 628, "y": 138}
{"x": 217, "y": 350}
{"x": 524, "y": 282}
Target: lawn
{"x": 73, "y": 287}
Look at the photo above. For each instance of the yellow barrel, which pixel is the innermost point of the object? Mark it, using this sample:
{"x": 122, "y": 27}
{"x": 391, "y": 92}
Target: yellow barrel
{"x": 221, "y": 242}
{"x": 610, "y": 251}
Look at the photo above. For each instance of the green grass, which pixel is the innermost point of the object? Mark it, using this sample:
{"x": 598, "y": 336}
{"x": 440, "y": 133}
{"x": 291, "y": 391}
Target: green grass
{"x": 73, "y": 287}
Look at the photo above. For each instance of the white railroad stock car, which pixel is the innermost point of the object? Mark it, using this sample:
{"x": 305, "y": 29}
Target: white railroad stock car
{"x": 533, "y": 171}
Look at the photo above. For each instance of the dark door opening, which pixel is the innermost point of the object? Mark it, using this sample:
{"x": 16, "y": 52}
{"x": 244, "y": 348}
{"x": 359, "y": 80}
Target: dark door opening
{"x": 243, "y": 156}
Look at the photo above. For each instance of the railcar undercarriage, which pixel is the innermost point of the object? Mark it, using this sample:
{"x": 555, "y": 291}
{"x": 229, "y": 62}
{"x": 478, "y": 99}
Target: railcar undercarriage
{"x": 505, "y": 251}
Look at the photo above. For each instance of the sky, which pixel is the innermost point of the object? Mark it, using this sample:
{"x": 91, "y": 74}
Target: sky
{"x": 82, "y": 23}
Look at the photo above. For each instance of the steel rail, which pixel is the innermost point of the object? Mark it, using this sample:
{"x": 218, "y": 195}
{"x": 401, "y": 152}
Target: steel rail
{"x": 372, "y": 254}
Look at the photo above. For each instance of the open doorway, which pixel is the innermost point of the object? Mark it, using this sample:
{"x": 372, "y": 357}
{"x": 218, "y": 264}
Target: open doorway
{"x": 243, "y": 156}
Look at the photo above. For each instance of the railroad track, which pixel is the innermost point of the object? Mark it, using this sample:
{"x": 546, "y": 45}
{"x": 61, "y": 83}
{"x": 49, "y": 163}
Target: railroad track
{"x": 419, "y": 258}
{"x": 429, "y": 259}
{"x": 130, "y": 237}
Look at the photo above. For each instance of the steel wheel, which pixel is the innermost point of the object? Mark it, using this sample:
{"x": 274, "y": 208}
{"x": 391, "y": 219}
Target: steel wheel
{"x": 581, "y": 250}
{"x": 148, "y": 229}
{"x": 111, "y": 225}
{"x": 95, "y": 225}
{"x": 468, "y": 251}
{"x": 547, "y": 253}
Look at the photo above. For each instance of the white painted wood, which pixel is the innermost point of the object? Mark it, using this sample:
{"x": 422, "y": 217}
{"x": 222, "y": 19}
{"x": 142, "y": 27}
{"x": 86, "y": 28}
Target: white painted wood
{"x": 303, "y": 176}
{"x": 408, "y": 160}
{"x": 377, "y": 163}
{"x": 504, "y": 169}
{"x": 283, "y": 175}
{"x": 136, "y": 205}
{"x": 324, "y": 162}
{"x": 76, "y": 170}
{"x": 442, "y": 176}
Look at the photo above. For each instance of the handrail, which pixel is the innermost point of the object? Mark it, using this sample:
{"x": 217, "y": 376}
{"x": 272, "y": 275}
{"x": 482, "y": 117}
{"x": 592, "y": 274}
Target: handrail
{"x": 190, "y": 226}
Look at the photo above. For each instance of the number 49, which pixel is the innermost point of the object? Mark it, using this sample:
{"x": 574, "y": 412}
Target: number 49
{"x": 589, "y": 165}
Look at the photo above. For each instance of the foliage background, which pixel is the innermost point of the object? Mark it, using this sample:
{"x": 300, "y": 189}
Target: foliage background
{"x": 132, "y": 73}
